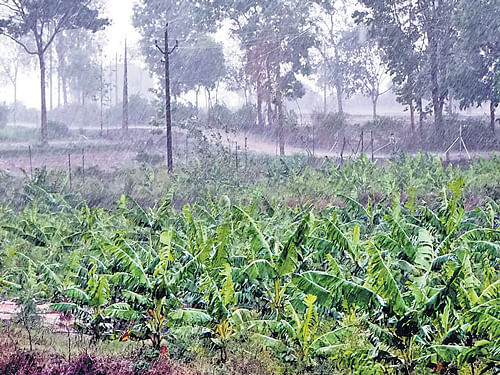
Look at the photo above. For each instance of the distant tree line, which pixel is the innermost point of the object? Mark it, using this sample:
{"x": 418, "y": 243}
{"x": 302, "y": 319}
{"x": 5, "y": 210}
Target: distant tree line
{"x": 428, "y": 52}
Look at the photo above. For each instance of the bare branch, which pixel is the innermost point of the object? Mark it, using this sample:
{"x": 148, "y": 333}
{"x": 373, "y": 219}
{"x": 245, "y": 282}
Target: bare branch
{"x": 19, "y": 43}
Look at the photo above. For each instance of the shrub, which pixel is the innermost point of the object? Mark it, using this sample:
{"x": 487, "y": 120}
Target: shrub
{"x": 385, "y": 125}
{"x": 57, "y": 129}
{"x": 332, "y": 121}
{"x": 246, "y": 117}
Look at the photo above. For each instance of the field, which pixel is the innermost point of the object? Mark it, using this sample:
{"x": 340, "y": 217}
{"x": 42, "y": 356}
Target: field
{"x": 262, "y": 266}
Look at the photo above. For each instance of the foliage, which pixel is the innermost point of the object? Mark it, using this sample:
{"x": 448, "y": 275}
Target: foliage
{"x": 384, "y": 287}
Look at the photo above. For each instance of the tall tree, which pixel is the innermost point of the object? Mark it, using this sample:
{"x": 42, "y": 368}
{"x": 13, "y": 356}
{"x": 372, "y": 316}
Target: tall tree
{"x": 188, "y": 22}
{"x": 11, "y": 62}
{"x": 475, "y": 75}
{"x": 337, "y": 48}
{"x": 43, "y": 20}
{"x": 371, "y": 72}
{"x": 125, "y": 93}
{"x": 78, "y": 64}
{"x": 276, "y": 42}
{"x": 417, "y": 37}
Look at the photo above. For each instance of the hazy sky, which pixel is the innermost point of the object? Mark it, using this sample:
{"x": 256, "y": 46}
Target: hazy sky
{"x": 120, "y": 14}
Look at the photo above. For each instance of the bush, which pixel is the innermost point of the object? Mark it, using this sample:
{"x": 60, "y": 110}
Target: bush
{"x": 332, "y": 121}
{"x": 385, "y": 125}
{"x": 246, "y": 117}
{"x": 57, "y": 130}
{"x": 220, "y": 116}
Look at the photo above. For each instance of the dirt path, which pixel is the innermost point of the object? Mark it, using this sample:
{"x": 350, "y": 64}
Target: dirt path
{"x": 266, "y": 147}
{"x": 108, "y": 155}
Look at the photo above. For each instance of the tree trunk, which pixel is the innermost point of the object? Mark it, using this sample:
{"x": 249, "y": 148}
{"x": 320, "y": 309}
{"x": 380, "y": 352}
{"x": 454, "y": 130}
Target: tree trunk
{"x": 492, "y": 117}
{"x": 15, "y": 103}
{"x": 43, "y": 110}
{"x": 325, "y": 97}
{"x": 269, "y": 113}
{"x": 51, "y": 96}
{"x": 340, "y": 106}
{"x": 437, "y": 105}
{"x": 374, "y": 104}
{"x": 64, "y": 82}
{"x": 125, "y": 94}
{"x": 197, "y": 102}
{"x": 420, "y": 109}
{"x": 281, "y": 120}
{"x": 412, "y": 116}
{"x": 260, "y": 119}
{"x": 58, "y": 87}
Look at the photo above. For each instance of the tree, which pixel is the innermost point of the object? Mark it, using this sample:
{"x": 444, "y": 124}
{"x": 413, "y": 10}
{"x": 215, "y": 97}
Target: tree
{"x": 475, "y": 77}
{"x": 418, "y": 39}
{"x": 276, "y": 43}
{"x": 43, "y": 20}
{"x": 371, "y": 72}
{"x": 10, "y": 64}
{"x": 190, "y": 24}
{"x": 199, "y": 65}
{"x": 336, "y": 48}
{"x": 125, "y": 93}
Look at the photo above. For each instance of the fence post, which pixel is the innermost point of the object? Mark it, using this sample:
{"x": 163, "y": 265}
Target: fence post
{"x": 246, "y": 152}
{"x": 371, "y": 143}
{"x": 31, "y": 162}
{"x": 342, "y": 151}
{"x": 236, "y": 156}
{"x": 83, "y": 165}
{"x": 313, "y": 139}
{"x": 362, "y": 141}
{"x": 69, "y": 171}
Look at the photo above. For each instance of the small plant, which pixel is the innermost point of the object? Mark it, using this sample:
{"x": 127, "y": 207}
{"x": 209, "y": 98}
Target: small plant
{"x": 28, "y": 316}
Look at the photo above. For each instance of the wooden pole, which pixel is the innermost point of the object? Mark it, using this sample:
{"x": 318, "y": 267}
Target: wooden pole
{"x": 83, "y": 165}
{"x": 31, "y": 162}
{"x": 125, "y": 93}
{"x": 101, "y": 100}
{"x": 69, "y": 171}
{"x": 313, "y": 145}
{"x": 236, "y": 156}
{"x": 362, "y": 141}
{"x": 246, "y": 152}
{"x": 168, "y": 115}
{"x": 342, "y": 151}
{"x": 187, "y": 148}
{"x": 371, "y": 144}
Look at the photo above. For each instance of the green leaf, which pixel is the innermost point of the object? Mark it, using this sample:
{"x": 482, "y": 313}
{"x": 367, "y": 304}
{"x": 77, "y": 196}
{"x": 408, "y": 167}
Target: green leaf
{"x": 382, "y": 282}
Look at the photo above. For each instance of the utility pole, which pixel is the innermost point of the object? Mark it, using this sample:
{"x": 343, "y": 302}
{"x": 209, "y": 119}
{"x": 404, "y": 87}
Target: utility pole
{"x": 166, "y": 52}
{"x": 125, "y": 93}
{"x": 101, "y": 99}
{"x": 116, "y": 78}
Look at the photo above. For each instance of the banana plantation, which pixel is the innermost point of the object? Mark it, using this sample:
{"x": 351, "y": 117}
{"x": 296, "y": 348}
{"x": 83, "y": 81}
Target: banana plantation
{"x": 398, "y": 287}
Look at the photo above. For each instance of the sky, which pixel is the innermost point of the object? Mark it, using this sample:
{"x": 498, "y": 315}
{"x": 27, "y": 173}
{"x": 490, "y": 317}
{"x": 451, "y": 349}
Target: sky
{"x": 119, "y": 12}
